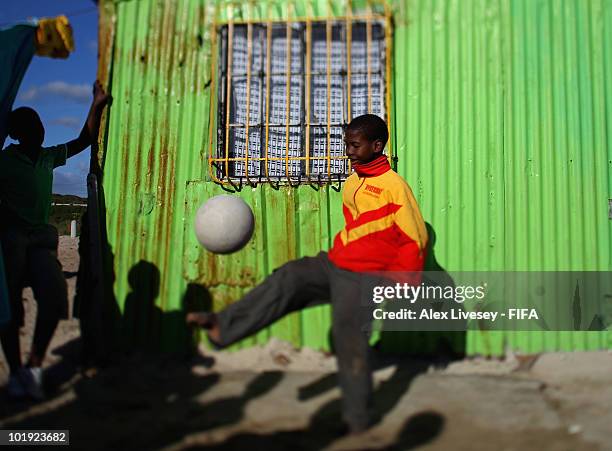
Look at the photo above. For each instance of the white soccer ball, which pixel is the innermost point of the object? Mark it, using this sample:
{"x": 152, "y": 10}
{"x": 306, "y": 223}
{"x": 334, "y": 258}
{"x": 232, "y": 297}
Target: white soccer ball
{"x": 224, "y": 224}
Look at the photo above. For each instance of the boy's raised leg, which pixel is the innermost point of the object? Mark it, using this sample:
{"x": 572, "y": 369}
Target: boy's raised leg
{"x": 294, "y": 286}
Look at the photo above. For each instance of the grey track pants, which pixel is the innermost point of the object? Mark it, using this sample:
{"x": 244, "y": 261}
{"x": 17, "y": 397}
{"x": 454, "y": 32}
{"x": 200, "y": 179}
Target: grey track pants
{"x": 304, "y": 283}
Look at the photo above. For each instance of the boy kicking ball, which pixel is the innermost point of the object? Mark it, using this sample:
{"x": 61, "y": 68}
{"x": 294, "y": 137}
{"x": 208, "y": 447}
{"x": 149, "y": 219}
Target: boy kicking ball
{"x": 384, "y": 231}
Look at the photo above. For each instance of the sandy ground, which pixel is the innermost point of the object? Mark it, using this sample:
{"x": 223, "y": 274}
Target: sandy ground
{"x": 279, "y": 398}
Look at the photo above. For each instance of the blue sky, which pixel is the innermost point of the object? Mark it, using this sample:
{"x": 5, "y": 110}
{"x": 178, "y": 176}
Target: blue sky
{"x": 60, "y": 90}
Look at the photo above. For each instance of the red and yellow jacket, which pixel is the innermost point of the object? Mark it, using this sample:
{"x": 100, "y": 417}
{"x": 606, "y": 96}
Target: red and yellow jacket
{"x": 384, "y": 228}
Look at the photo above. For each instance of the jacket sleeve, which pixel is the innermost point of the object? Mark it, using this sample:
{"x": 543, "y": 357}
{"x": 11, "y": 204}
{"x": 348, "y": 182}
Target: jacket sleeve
{"x": 408, "y": 217}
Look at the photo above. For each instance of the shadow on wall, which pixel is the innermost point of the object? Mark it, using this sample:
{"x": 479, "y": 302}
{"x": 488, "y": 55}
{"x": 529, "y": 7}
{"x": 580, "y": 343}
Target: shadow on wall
{"x": 94, "y": 303}
{"x": 141, "y": 317}
{"x": 444, "y": 345}
{"x": 143, "y": 326}
{"x": 146, "y": 327}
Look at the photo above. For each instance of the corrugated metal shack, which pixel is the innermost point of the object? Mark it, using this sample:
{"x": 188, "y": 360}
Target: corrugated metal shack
{"x": 500, "y": 120}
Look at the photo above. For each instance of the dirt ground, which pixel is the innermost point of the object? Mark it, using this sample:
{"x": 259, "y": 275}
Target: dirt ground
{"x": 279, "y": 398}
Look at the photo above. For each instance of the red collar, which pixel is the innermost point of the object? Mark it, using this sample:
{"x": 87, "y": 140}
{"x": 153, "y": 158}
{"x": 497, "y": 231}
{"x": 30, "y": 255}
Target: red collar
{"x": 377, "y": 166}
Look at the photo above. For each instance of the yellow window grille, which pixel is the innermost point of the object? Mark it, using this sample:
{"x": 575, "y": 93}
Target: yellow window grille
{"x": 286, "y": 90}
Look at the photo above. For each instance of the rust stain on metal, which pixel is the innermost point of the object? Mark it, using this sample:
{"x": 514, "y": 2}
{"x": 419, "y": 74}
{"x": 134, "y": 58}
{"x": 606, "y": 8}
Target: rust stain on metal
{"x": 106, "y": 36}
{"x": 207, "y": 275}
{"x": 166, "y": 179}
{"x": 290, "y": 215}
{"x": 247, "y": 274}
{"x": 150, "y": 162}
{"x": 168, "y": 216}
{"x": 124, "y": 177}
{"x": 207, "y": 268}
{"x": 106, "y": 48}
{"x": 160, "y": 230}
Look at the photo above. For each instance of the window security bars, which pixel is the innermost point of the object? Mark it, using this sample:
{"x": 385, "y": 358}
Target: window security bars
{"x": 287, "y": 89}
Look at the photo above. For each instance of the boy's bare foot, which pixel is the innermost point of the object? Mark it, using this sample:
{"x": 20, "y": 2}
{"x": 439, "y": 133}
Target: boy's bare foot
{"x": 206, "y": 321}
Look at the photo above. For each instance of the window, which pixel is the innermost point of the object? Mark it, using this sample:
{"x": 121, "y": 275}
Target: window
{"x": 285, "y": 92}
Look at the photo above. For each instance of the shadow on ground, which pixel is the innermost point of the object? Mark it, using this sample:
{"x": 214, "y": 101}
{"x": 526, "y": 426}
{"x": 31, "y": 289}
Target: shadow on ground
{"x": 324, "y": 427}
{"x": 148, "y": 402}
{"x": 141, "y": 400}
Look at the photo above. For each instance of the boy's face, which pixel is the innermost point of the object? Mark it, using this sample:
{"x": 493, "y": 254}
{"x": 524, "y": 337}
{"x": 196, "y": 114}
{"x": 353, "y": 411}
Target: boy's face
{"x": 37, "y": 135}
{"x": 359, "y": 149}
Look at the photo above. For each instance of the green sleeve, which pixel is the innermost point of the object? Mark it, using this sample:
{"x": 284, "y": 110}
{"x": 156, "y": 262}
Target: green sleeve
{"x": 59, "y": 154}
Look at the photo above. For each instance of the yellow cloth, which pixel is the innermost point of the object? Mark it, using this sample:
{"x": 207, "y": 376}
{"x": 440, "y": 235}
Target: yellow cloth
{"x": 54, "y": 37}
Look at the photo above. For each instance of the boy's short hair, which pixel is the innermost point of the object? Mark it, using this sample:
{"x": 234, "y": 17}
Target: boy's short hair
{"x": 372, "y": 126}
{"x": 20, "y": 122}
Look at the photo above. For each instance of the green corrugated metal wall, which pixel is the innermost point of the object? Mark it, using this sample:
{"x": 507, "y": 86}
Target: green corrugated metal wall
{"x": 500, "y": 123}
{"x": 505, "y": 114}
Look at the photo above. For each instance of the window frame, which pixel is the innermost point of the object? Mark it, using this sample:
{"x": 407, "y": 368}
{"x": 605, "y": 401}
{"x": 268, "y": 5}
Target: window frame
{"x": 219, "y": 164}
